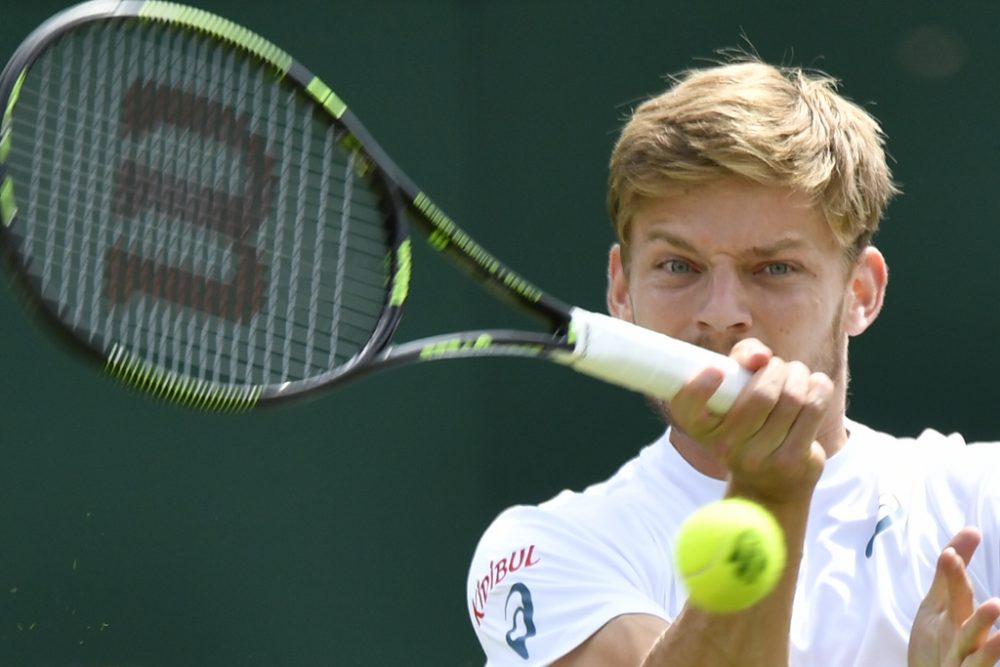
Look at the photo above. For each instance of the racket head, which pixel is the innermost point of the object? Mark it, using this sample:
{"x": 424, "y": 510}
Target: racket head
{"x": 195, "y": 208}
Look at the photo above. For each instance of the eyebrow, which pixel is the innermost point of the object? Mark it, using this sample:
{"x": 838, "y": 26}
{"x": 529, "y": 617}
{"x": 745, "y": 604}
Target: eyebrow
{"x": 768, "y": 250}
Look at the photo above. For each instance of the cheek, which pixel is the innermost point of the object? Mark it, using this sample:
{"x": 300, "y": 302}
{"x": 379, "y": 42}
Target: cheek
{"x": 801, "y": 317}
{"x": 654, "y": 309}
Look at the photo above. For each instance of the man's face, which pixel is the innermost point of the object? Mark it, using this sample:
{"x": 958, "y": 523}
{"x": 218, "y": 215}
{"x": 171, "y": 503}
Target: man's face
{"x": 718, "y": 263}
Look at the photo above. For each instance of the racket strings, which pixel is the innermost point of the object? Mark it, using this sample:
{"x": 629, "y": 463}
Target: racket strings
{"x": 105, "y": 124}
{"x": 182, "y": 60}
{"x": 251, "y": 355}
{"x": 185, "y": 205}
{"x": 187, "y": 244}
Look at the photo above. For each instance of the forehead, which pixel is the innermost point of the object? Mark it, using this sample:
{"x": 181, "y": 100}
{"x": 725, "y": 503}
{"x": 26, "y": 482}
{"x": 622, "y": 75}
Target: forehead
{"x": 734, "y": 216}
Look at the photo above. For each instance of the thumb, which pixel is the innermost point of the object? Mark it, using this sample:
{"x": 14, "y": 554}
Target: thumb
{"x": 751, "y": 354}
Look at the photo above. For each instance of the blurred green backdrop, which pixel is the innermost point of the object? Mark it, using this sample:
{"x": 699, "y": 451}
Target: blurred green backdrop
{"x": 132, "y": 533}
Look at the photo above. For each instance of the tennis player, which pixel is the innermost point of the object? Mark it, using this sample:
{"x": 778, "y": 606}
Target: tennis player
{"x": 745, "y": 199}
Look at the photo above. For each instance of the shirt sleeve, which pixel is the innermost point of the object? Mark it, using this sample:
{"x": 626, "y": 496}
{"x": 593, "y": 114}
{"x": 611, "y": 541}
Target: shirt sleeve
{"x": 980, "y": 483}
{"x": 962, "y": 488}
{"x": 539, "y": 585}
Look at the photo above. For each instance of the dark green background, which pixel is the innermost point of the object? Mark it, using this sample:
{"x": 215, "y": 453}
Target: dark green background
{"x": 338, "y": 531}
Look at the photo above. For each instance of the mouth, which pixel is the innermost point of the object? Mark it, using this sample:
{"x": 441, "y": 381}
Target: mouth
{"x": 716, "y": 344}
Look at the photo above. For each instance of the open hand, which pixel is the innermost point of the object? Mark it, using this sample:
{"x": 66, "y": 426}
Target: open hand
{"x": 949, "y": 631}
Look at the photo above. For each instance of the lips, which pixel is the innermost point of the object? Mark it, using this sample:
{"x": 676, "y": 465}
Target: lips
{"x": 722, "y": 346}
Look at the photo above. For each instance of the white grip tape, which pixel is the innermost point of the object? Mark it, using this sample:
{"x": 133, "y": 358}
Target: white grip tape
{"x": 643, "y": 360}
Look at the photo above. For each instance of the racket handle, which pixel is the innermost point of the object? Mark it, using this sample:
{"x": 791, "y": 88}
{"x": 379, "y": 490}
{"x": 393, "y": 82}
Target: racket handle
{"x": 643, "y": 360}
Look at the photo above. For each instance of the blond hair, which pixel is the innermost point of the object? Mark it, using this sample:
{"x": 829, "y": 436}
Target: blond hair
{"x": 779, "y": 126}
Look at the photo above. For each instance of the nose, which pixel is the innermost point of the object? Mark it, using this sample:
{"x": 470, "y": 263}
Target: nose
{"x": 725, "y": 308}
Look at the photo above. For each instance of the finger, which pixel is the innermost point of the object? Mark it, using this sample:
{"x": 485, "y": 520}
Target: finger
{"x": 772, "y": 437}
{"x": 749, "y": 412}
{"x": 974, "y": 642}
{"x": 965, "y": 542}
{"x": 938, "y": 592}
{"x": 694, "y": 394}
{"x": 960, "y": 599}
{"x": 800, "y": 442}
{"x": 987, "y": 655}
{"x": 721, "y": 433}
{"x": 759, "y": 397}
{"x": 751, "y": 354}
{"x": 803, "y": 404}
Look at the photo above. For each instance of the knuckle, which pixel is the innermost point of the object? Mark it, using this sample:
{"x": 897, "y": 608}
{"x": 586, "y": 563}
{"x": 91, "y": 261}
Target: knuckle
{"x": 821, "y": 381}
{"x": 747, "y": 344}
{"x": 787, "y": 464}
{"x": 815, "y": 405}
{"x": 772, "y": 379}
{"x": 798, "y": 368}
{"x": 752, "y": 463}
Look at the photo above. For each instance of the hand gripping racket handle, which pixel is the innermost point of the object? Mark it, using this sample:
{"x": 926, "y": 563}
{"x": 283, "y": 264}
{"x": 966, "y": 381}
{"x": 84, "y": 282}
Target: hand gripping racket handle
{"x": 651, "y": 363}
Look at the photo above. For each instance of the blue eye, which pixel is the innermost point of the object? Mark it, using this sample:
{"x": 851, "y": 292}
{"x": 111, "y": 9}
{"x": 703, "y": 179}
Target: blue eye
{"x": 677, "y": 266}
{"x": 777, "y": 269}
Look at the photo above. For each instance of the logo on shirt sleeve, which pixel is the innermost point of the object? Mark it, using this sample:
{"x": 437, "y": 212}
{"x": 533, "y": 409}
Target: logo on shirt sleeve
{"x": 496, "y": 572}
{"x": 520, "y": 613}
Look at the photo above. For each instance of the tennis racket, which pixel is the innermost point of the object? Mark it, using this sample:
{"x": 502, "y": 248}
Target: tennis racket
{"x": 207, "y": 218}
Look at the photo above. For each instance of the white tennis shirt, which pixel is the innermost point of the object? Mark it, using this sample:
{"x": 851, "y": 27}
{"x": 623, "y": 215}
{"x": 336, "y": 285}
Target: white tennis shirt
{"x": 545, "y": 578}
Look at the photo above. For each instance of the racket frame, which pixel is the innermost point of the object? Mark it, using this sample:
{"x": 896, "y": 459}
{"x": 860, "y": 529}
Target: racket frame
{"x": 406, "y": 201}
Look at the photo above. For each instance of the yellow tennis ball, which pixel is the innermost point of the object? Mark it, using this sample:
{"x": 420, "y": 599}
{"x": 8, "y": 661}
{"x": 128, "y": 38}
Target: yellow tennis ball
{"x": 730, "y": 554}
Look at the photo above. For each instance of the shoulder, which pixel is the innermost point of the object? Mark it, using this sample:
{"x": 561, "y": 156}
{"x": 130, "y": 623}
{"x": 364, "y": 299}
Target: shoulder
{"x": 544, "y": 578}
{"x": 944, "y": 453}
{"x": 930, "y": 460}
{"x": 945, "y": 483}
{"x": 950, "y": 479}
{"x": 928, "y": 447}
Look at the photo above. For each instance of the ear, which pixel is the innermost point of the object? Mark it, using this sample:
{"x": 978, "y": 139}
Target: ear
{"x": 619, "y": 300}
{"x": 866, "y": 291}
